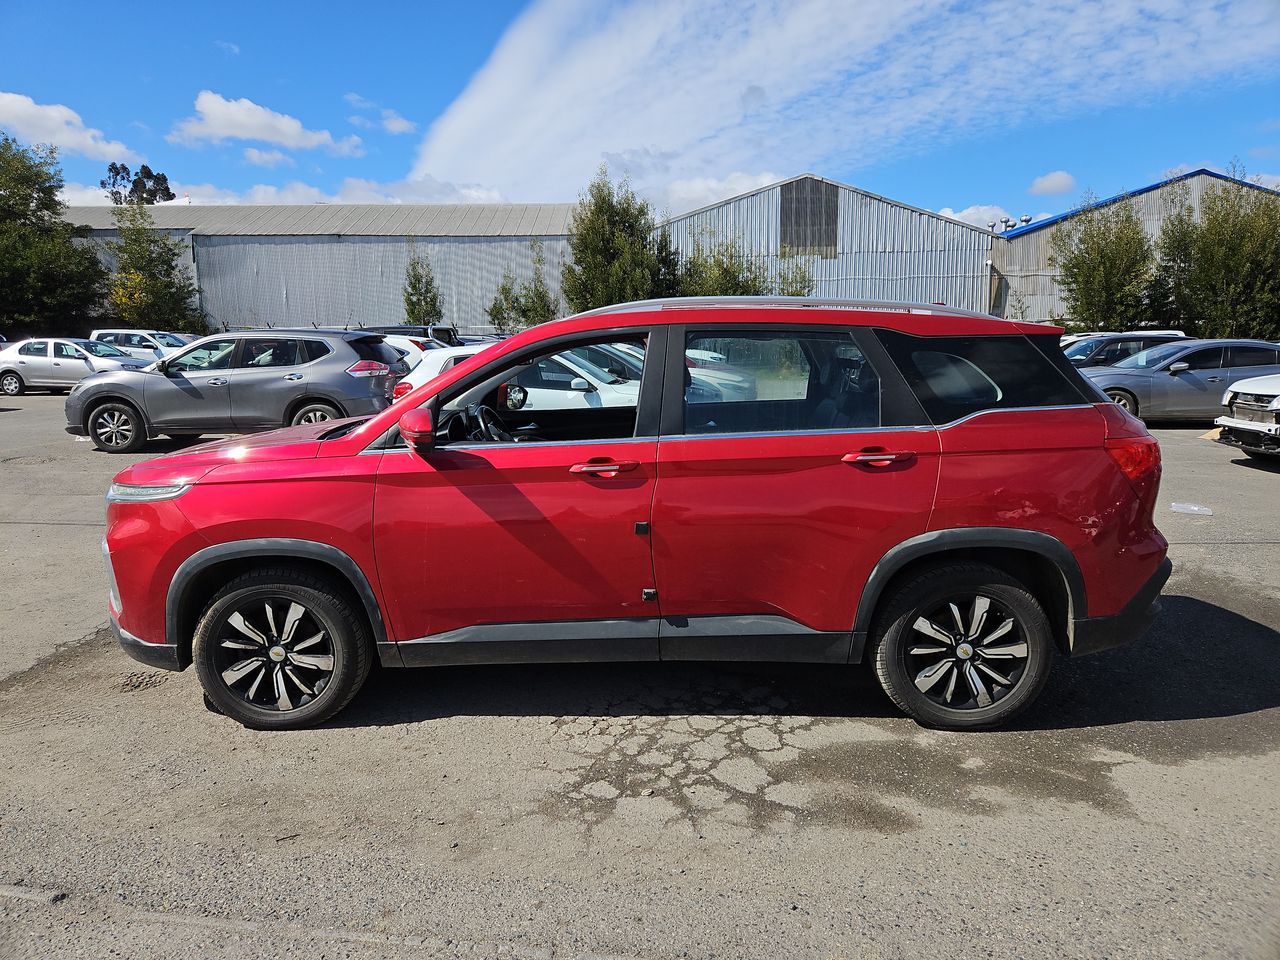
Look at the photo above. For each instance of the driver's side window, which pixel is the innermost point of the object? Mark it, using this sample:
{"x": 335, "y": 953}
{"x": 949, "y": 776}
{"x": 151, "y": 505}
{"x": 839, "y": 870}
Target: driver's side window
{"x": 561, "y": 395}
{"x": 214, "y": 355}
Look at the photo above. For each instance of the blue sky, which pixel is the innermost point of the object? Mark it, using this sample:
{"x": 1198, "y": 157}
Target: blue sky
{"x": 973, "y": 110}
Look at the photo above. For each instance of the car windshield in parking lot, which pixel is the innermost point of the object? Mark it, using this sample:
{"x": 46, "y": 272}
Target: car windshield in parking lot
{"x": 1151, "y": 357}
{"x": 99, "y": 349}
{"x": 169, "y": 340}
{"x": 1081, "y": 348}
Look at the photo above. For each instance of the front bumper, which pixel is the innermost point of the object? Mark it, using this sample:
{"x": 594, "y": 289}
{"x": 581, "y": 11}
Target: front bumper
{"x": 1093, "y": 634}
{"x": 162, "y": 656}
{"x": 1249, "y": 434}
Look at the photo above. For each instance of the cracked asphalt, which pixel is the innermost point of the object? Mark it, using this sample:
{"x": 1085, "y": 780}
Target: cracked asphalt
{"x": 645, "y": 811}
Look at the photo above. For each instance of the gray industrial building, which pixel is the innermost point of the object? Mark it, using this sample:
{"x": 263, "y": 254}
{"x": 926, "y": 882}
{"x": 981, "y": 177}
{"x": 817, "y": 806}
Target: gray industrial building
{"x": 344, "y": 264}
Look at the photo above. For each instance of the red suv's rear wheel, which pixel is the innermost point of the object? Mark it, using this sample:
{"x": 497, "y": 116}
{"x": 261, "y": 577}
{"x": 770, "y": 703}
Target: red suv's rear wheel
{"x": 278, "y": 649}
{"x": 964, "y": 646}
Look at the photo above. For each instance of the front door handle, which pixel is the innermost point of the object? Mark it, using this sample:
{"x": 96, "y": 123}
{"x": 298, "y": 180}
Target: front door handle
{"x": 293, "y": 376}
{"x": 878, "y": 458}
{"x": 604, "y": 468}
{"x": 1212, "y": 379}
{"x": 218, "y": 382}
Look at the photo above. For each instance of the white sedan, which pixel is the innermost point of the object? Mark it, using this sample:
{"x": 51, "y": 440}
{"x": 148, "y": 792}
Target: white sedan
{"x": 58, "y": 363}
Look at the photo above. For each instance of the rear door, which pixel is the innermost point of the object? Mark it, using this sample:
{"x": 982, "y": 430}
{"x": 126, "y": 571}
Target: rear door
{"x": 33, "y": 362}
{"x": 1194, "y": 392}
{"x": 269, "y": 375}
{"x": 193, "y": 392}
{"x": 770, "y": 513}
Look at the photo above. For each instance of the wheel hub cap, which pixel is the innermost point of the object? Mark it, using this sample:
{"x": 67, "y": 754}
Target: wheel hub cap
{"x": 277, "y": 654}
{"x": 964, "y": 651}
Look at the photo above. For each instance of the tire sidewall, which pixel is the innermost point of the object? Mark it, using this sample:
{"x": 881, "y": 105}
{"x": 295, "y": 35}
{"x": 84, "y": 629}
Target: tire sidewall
{"x": 346, "y": 672}
{"x": 898, "y": 634}
{"x": 302, "y": 411}
{"x": 11, "y": 385}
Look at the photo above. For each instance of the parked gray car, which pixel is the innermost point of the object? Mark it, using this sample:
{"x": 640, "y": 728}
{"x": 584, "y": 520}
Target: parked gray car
{"x": 238, "y": 383}
{"x": 1184, "y": 379}
{"x": 57, "y": 363}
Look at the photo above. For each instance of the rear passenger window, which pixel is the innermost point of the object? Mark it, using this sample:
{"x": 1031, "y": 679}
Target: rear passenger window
{"x": 777, "y": 382}
{"x": 954, "y": 377}
{"x": 264, "y": 352}
{"x": 1250, "y": 356}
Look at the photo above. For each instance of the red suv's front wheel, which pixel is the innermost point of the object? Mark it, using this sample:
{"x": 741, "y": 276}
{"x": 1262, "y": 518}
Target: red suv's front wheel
{"x": 964, "y": 646}
{"x": 277, "y": 649}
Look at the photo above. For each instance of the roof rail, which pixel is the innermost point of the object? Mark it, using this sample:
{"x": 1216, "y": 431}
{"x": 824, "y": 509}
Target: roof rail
{"x": 683, "y": 303}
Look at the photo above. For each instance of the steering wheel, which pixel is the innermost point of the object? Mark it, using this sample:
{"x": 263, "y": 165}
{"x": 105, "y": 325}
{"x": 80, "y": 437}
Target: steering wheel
{"x": 490, "y": 424}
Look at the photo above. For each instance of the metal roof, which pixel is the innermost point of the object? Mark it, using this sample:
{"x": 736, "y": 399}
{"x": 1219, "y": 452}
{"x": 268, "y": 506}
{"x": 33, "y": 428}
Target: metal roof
{"x": 1202, "y": 172}
{"x": 350, "y": 219}
{"x": 842, "y": 186}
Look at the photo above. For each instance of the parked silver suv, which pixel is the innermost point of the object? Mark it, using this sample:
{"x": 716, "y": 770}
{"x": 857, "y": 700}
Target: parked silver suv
{"x": 237, "y": 383}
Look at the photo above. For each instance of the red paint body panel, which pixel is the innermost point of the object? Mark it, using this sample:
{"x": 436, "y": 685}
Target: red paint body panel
{"x": 510, "y": 534}
{"x": 780, "y": 525}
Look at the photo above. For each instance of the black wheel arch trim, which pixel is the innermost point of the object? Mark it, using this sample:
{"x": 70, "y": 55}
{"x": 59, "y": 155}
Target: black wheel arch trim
{"x": 263, "y": 548}
{"x": 939, "y": 542}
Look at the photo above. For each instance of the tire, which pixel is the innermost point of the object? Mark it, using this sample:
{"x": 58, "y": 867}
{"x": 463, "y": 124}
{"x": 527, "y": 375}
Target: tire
{"x": 298, "y": 677}
{"x": 314, "y": 413}
{"x": 1124, "y": 399}
{"x": 117, "y": 428}
{"x": 927, "y": 674}
{"x": 11, "y": 384}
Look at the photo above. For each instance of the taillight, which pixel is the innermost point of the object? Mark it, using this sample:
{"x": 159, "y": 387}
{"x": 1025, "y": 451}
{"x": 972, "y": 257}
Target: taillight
{"x": 420, "y": 344}
{"x": 403, "y": 389}
{"x": 691, "y": 363}
{"x": 368, "y": 368}
{"x": 1137, "y": 457}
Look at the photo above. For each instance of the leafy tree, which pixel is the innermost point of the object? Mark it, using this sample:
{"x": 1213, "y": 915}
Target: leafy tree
{"x": 150, "y": 288}
{"x": 143, "y": 187}
{"x": 518, "y": 307}
{"x": 421, "y": 295}
{"x": 614, "y": 256}
{"x": 1105, "y": 264}
{"x": 1219, "y": 274}
{"x": 724, "y": 269}
{"x": 49, "y": 283}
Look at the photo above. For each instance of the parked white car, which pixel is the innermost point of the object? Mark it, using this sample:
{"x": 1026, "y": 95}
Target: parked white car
{"x": 58, "y": 363}
{"x": 412, "y": 349}
{"x": 1252, "y": 421}
{"x": 143, "y": 344}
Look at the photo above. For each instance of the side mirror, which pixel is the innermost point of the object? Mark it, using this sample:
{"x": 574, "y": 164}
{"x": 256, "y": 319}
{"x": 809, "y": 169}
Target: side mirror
{"x": 580, "y": 384}
{"x": 418, "y": 428}
{"x": 1179, "y": 367}
{"x": 162, "y": 366}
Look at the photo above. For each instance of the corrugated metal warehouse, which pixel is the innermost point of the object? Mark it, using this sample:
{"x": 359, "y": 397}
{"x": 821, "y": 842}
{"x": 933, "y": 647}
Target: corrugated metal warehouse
{"x": 344, "y": 264}
{"x": 1027, "y": 282}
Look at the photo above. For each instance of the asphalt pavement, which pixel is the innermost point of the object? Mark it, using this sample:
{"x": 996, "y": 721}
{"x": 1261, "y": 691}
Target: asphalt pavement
{"x": 646, "y": 811}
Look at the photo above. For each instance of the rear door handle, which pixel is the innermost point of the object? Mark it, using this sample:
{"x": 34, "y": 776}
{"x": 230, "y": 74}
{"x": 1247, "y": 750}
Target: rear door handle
{"x": 878, "y": 458}
{"x": 293, "y": 376}
{"x": 604, "y": 468}
{"x": 218, "y": 382}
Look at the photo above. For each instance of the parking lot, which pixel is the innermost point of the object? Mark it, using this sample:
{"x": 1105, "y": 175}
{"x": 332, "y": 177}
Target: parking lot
{"x": 651, "y": 810}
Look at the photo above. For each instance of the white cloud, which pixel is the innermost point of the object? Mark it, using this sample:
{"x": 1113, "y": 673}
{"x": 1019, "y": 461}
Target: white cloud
{"x": 393, "y": 123}
{"x": 230, "y": 49}
{"x": 220, "y": 119}
{"x": 267, "y": 158}
{"x": 721, "y": 86}
{"x": 1271, "y": 180}
{"x": 359, "y": 102}
{"x": 61, "y": 126}
{"x": 684, "y": 195}
{"x": 352, "y": 190}
{"x": 363, "y": 123}
{"x": 1059, "y": 181}
{"x": 980, "y": 214}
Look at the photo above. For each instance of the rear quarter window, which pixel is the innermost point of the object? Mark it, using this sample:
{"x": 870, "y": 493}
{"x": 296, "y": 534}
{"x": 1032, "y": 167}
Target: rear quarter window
{"x": 314, "y": 350}
{"x": 955, "y": 377}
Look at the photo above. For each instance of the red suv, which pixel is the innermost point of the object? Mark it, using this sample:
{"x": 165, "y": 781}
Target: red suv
{"x": 936, "y": 493}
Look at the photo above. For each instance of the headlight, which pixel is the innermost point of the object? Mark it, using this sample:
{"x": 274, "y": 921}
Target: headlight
{"x": 136, "y": 493}
{"x": 1274, "y": 404}
{"x": 1226, "y": 399}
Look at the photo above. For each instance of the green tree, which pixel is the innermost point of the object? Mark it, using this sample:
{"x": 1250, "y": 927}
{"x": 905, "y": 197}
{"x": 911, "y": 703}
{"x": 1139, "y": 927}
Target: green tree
{"x": 725, "y": 269}
{"x": 615, "y": 258}
{"x": 516, "y": 307}
{"x": 49, "y": 282}
{"x": 1219, "y": 274}
{"x": 150, "y": 287}
{"x": 142, "y": 187}
{"x": 421, "y": 295}
{"x": 1105, "y": 262}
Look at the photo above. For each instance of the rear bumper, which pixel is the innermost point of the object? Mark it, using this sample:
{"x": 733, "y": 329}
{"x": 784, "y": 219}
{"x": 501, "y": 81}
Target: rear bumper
{"x": 162, "y": 656}
{"x": 1093, "y": 634}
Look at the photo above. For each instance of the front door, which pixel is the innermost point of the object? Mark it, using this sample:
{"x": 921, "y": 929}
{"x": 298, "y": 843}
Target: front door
{"x": 492, "y": 549}
{"x": 770, "y": 513}
{"x": 192, "y": 393}
{"x": 69, "y": 365}
{"x": 1194, "y": 392}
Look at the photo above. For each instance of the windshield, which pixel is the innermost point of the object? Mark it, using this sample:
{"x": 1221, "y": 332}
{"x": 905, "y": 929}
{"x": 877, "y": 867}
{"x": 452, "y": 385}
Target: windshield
{"x": 99, "y": 349}
{"x": 591, "y": 370}
{"x": 1081, "y": 348}
{"x": 1152, "y": 357}
{"x": 170, "y": 340}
